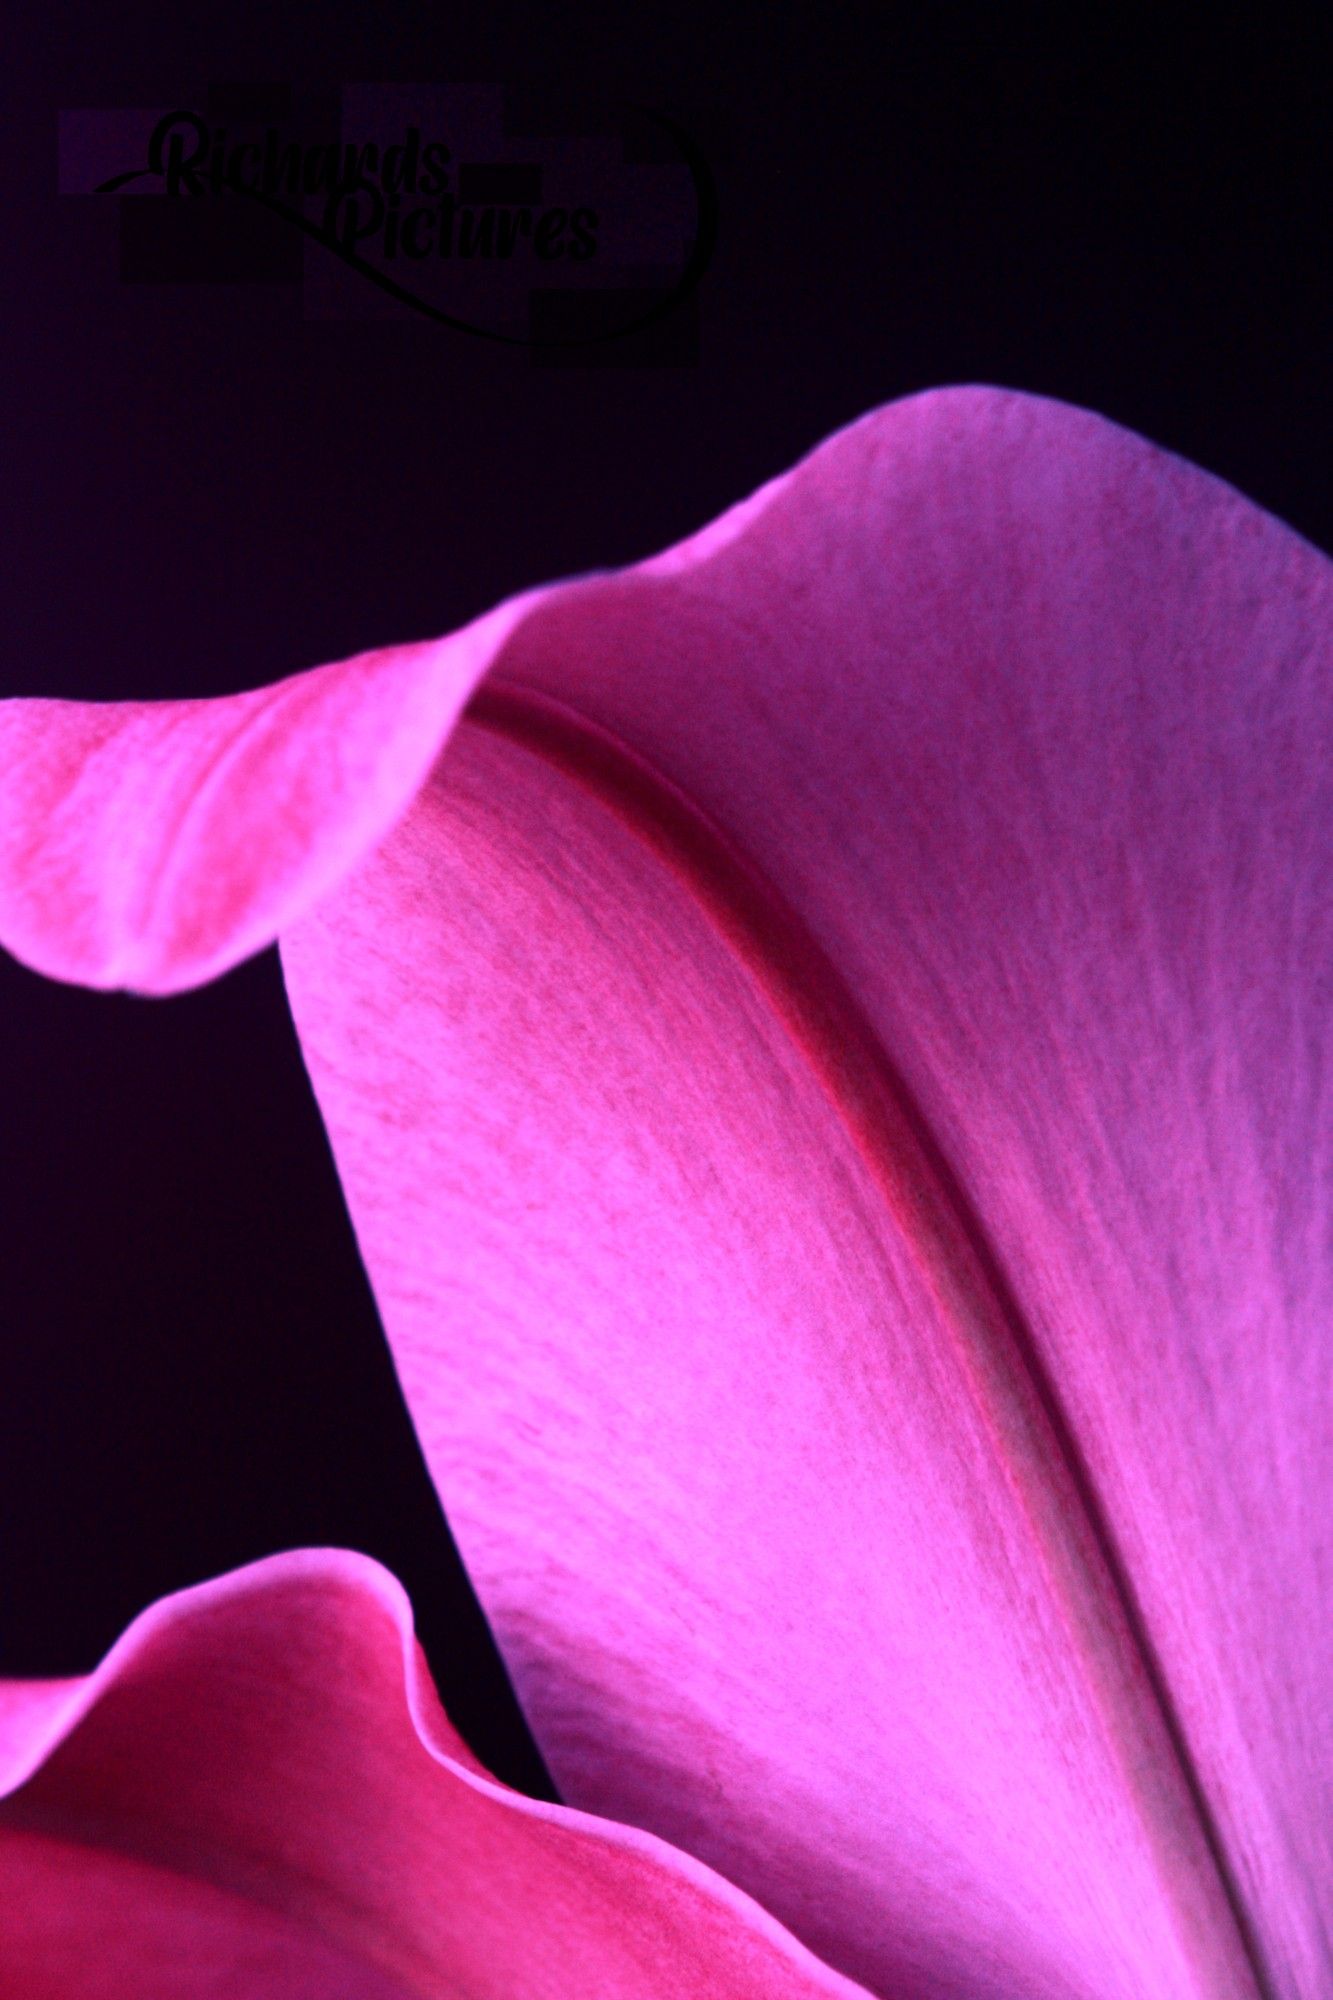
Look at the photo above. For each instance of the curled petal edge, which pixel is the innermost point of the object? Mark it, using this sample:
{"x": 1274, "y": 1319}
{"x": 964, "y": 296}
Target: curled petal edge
{"x": 605, "y": 1885}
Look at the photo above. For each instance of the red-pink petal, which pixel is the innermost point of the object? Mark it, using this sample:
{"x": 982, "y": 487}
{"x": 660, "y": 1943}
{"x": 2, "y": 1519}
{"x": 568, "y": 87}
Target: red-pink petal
{"x": 258, "y": 1794}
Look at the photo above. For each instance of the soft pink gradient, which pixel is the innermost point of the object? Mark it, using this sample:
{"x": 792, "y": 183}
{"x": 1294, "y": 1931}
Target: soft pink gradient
{"x": 829, "y": 1077}
{"x": 257, "y": 1794}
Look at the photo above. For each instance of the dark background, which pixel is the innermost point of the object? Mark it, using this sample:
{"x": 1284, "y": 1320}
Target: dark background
{"x": 205, "y": 492}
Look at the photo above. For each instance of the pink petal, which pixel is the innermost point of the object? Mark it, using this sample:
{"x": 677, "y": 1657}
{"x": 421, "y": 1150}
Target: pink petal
{"x": 826, "y": 1083}
{"x": 153, "y": 845}
{"x": 257, "y": 1793}
{"x": 826, "y": 1077}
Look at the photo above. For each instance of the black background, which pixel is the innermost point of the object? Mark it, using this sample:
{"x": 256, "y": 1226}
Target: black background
{"x": 204, "y": 492}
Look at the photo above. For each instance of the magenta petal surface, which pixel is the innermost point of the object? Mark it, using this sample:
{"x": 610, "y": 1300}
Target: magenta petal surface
{"x": 827, "y": 1079}
{"x": 257, "y": 1794}
{"x": 829, "y": 1076}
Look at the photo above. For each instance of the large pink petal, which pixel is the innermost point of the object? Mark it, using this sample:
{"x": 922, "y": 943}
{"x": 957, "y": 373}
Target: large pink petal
{"x": 257, "y": 1794}
{"x": 826, "y": 1079}
{"x": 826, "y": 1076}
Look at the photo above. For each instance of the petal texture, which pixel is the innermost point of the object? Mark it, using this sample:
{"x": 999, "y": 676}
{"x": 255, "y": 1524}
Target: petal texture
{"x": 830, "y": 1081}
{"x": 257, "y": 1794}
{"x": 829, "y": 1072}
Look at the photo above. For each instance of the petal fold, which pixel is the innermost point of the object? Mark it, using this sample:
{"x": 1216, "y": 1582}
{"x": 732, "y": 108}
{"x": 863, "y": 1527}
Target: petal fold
{"x": 154, "y": 845}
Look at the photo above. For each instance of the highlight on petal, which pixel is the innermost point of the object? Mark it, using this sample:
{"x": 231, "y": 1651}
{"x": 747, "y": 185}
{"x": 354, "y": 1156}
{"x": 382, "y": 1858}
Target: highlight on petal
{"x": 828, "y": 1070}
{"x": 257, "y": 1793}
